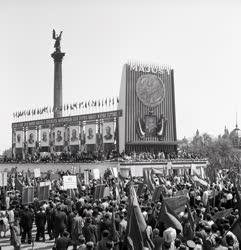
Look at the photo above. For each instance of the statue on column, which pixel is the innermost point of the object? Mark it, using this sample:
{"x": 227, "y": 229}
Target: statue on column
{"x": 57, "y": 39}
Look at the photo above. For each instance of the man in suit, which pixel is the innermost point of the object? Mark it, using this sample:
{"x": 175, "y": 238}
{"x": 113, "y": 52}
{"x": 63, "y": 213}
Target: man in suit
{"x": 63, "y": 242}
{"x": 60, "y": 222}
{"x": 108, "y": 136}
{"x": 90, "y": 134}
{"x": 40, "y": 220}
{"x": 31, "y": 138}
{"x": 26, "y": 222}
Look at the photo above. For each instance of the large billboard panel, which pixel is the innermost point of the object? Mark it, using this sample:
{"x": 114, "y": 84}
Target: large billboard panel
{"x": 74, "y": 135}
{"x": 31, "y": 138}
{"x": 44, "y": 137}
{"x": 59, "y": 136}
{"x": 90, "y": 134}
{"x": 19, "y": 139}
{"x": 108, "y": 132}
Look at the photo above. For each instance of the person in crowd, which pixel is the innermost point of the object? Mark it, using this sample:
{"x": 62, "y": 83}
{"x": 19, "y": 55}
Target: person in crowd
{"x": 60, "y": 222}
{"x": 63, "y": 242}
{"x": 15, "y": 235}
{"x": 86, "y": 222}
{"x": 26, "y": 222}
{"x": 40, "y": 221}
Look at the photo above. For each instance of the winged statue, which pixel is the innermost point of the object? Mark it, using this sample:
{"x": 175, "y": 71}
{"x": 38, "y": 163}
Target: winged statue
{"x": 57, "y": 39}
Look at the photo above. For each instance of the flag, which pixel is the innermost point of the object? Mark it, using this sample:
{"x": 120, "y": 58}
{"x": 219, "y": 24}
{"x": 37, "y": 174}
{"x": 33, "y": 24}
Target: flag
{"x": 200, "y": 181}
{"x": 238, "y": 200}
{"x": 137, "y": 237}
{"x": 168, "y": 218}
{"x": 186, "y": 177}
{"x": 190, "y": 217}
{"x": 148, "y": 180}
{"x": 99, "y": 191}
{"x": 18, "y": 185}
{"x": 157, "y": 193}
{"x": 177, "y": 203}
{"x": 71, "y": 193}
{"x": 236, "y": 229}
{"x": 114, "y": 234}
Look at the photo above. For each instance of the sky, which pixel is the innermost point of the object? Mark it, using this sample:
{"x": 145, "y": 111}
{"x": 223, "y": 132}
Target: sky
{"x": 200, "y": 40}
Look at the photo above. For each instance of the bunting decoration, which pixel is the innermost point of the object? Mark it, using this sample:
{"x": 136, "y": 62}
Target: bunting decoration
{"x": 69, "y": 107}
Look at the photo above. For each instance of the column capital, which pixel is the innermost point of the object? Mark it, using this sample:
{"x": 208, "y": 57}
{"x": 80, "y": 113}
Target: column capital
{"x": 57, "y": 56}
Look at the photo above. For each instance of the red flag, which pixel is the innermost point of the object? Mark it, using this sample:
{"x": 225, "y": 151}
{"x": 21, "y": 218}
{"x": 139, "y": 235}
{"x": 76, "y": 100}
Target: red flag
{"x": 148, "y": 180}
{"x": 168, "y": 217}
{"x": 18, "y": 185}
{"x": 136, "y": 228}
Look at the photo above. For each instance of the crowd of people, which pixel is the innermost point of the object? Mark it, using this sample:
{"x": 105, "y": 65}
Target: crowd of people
{"x": 84, "y": 222}
{"x": 93, "y": 156}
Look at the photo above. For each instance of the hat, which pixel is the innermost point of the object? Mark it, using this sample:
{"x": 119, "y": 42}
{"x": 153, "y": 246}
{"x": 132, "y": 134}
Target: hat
{"x": 182, "y": 247}
{"x": 191, "y": 244}
{"x": 169, "y": 235}
{"x": 89, "y": 244}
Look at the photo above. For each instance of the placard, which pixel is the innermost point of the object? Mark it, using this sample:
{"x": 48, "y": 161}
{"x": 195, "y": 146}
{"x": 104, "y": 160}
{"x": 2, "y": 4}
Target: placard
{"x": 1, "y": 179}
{"x": 96, "y": 173}
{"x": 115, "y": 172}
{"x": 86, "y": 177}
{"x": 69, "y": 181}
{"x": 5, "y": 179}
{"x": 108, "y": 132}
{"x": 45, "y": 183}
{"x": 27, "y": 195}
{"x": 37, "y": 173}
{"x": 43, "y": 193}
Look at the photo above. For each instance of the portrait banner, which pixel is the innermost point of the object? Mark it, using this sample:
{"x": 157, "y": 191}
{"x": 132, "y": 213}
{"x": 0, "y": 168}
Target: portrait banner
{"x": 90, "y": 134}
{"x": 31, "y": 138}
{"x": 19, "y": 139}
{"x": 59, "y": 136}
{"x": 74, "y": 135}
{"x": 44, "y": 137}
{"x": 108, "y": 132}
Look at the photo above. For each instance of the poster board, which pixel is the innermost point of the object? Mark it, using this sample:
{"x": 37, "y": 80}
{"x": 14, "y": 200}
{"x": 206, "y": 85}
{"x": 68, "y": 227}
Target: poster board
{"x": 69, "y": 182}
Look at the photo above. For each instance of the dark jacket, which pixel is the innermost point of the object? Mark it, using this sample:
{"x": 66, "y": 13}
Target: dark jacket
{"x": 40, "y": 219}
{"x": 62, "y": 243}
{"x": 26, "y": 219}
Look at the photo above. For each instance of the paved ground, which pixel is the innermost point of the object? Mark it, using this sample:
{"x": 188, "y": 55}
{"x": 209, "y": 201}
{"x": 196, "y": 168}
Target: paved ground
{"x": 47, "y": 245}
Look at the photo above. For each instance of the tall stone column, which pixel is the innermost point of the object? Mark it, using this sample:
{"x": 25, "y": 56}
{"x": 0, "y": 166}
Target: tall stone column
{"x": 58, "y": 94}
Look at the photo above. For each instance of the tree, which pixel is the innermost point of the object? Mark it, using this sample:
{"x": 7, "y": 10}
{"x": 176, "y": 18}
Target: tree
{"x": 7, "y": 153}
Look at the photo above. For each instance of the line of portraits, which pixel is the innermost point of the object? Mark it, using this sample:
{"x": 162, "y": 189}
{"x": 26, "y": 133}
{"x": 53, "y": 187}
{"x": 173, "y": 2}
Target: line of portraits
{"x": 74, "y": 135}
{"x": 108, "y": 132}
{"x": 59, "y": 136}
{"x": 19, "y": 139}
{"x": 44, "y": 137}
{"x": 90, "y": 134}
